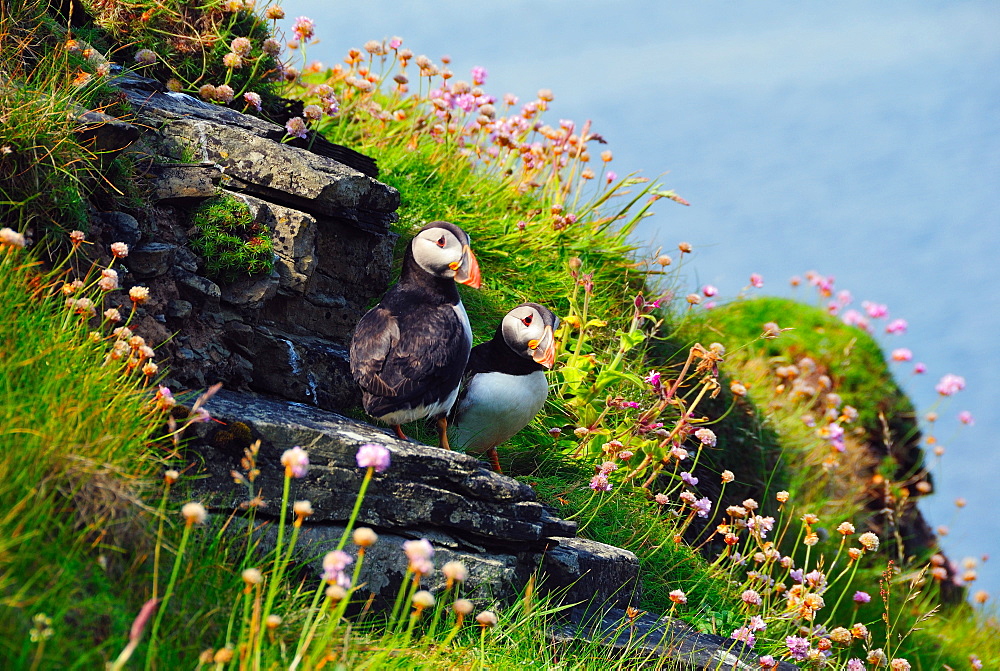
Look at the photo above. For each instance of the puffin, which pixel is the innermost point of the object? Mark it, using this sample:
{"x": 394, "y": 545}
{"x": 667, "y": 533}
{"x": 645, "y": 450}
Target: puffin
{"x": 505, "y": 383}
{"x": 409, "y": 352}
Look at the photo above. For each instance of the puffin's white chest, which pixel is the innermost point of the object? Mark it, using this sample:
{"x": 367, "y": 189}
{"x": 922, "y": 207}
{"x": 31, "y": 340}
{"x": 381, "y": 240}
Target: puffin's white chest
{"x": 496, "y": 406}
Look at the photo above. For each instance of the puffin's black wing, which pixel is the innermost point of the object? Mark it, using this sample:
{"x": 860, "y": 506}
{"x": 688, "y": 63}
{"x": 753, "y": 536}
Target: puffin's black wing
{"x": 408, "y": 360}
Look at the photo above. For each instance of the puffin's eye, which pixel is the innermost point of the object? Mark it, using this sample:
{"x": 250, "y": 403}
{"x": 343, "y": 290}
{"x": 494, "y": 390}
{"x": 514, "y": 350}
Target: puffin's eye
{"x": 440, "y": 241}
{"x": 527, "y": 320}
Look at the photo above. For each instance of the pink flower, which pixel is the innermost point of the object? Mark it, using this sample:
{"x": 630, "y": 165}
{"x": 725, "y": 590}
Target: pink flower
{"x": 919, "y": 368}
{"x": 709, "y": 290}
{"x": 662, "y": 499}
{"x": 295, "y": 461}
{"x": 950, "y": 384}
{"x": 875, "y": 310}
{"x": 751, "y": 598}
{"x": 374, "y": 456}
{"x": 896, "y": 326}
{"x": 744, "y": 634}
{"x": 334, "y": 564}
{"x": 599, "y": 483}
{"x": 611, "y": 176}
{"x": 706, "y": 436}
{"x": 252, "y": 99}
{"x": 479, "y": 76}
{"x": 965, "y": 417}
{"x": 304, "y": 27}
{"x": 689, "y": 479}
{"x": 901, "y": 354}
{"x": 702, "y": 506}
{"x": 756, "y": 280}
{"x": 855, "y": 318}
{"x": 653, "y": 379}
{"x": 862, "y": 597}
{"x": 296, "y": 127}
{"x": 119, "y": 249}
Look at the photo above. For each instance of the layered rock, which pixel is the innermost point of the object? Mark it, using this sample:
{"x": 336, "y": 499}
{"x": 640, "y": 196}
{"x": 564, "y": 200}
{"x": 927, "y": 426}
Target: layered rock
{"x": 492, "y": 523}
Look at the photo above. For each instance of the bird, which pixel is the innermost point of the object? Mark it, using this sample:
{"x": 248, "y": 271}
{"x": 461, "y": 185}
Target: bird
{"x": 505, "y": 383}
{"x": 409, "y": 353}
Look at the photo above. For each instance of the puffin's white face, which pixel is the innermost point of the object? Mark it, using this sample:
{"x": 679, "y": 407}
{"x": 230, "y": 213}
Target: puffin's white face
{"x": 528, "y": 331}
{"x": 439, "y": 252}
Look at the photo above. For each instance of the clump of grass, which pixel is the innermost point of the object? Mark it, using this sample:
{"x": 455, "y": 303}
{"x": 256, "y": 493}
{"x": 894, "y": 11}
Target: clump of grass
{"x": 230, "y": 241}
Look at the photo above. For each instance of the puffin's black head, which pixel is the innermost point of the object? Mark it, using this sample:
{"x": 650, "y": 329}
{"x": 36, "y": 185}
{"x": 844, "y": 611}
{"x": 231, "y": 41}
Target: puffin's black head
{"x": 527, "y": 330}
{"x": 442, "y": 249}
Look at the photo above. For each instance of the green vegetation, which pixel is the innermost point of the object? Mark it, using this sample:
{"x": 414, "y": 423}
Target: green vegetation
{"x": 665, "y": 419}
{"x": 231, "y": 242}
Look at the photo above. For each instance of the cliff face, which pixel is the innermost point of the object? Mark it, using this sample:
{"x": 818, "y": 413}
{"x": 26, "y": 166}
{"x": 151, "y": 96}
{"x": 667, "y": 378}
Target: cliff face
{"x": 284, "y": 332}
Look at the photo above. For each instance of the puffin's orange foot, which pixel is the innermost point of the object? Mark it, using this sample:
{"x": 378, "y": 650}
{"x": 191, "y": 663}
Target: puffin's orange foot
{"x": 399, "y": 432}
{"x": 442, "y": 425}
{"x": 494, "y": 459}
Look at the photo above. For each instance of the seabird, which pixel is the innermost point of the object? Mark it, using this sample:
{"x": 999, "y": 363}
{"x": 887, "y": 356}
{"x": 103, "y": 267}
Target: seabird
{"x": 505, "y": 383}
{"x": 409, "y": 352}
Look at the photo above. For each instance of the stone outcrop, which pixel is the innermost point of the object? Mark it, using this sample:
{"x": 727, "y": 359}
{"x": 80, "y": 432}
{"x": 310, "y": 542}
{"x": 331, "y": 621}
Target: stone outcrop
{"x": 492, "y": 523}
{"x": 286, "y": 332}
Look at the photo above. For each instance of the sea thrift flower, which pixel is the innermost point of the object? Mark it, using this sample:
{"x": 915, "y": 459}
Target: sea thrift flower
{"x": 919, "y": 368}
{"x": 756, "y": 280}
{"x": 119, "y": 249}
{"x": 334, "y": 564}
{"x": 232, "y": 60}
{"x": 744, "y": 634}
{"x": 75, "y": 237}
{"x": 302, "y": 508}
{"x": 689, "y": 479}
{"x": 706, "y": 436}
{"x": 487, "y": 619}
{"x": 455, "y": 571}
{"x": 709, "y": 290}
{"x": 109, "y": 280}
{"x": 845, "y": 528}
{"x": 479, "y": 76}
{"x": 896, "y": 326}
{"x": 899, "y": 664}
{"x": 241, "y": 46}
{"x": 274, "y": 13}
{"x": 271, "y": 46}
{"x": 312, "y": 112}
{"x": 207, "y": 92}
{"x": 965, "y": 417}
{"x": 862, "y": 597}
{"x": 374, "y": 456}
{"x": 252, "y": 99}
{"x": 599, "y": 483}
{"x": 193, "y": 513}
{"x": 252, "y": 576}
{"x": 224, "y": 93}
{"x": 678, "y": 596}
{"x": 798, "y": 647}
{"x": 855, "y": 664}
{"x": 423, "y": 600}
{"x": 304, "y": 28}
{"x": 662, "y": 499}
{"x": 902, "y": 354}
{"x": 364, "y": 537}
{"x": 418, "y": 550}
{"x": 145, "y": 57}
{"x": 463, "y": 607}
{"x": 767, "y": 662}
{"x": 727, "y": 476}
{"x": 610, "y": 176}
{"x": 296, "y": 127}
{"x": 751, "y": 597}
{"x": 295, "y": 461}
{"x": 950, "y": 384}
{"x": 869, "y": 541}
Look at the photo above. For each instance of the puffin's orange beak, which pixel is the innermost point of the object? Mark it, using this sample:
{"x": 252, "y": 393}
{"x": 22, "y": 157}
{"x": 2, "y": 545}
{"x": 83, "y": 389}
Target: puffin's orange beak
{"x": 467, "y": 270}
{"x": 545, "y": 349}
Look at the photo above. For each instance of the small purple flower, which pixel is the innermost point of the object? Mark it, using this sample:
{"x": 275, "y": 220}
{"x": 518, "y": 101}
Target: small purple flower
{"x": 374, "y": 456}
{"x": 919, "y": 368}
{"x": 296, "y": 127}
{"x": 599, "y": 483}
{"x": 611, "y": 176}
{"x": 304, "y": 28}
{"x": 965, "y": 417}
{"x": 862, "y": 597}
{"x": 795, "y": 574}
{"x": 767, "y": 662}
{"x": 479, "y": 75}
{"x": 709, "y": 290}
{"x": 252, "y": 99}
{"x": 653, "y": 379}
{"x": 662, "y": 499}
{"x": 751, "y": 597}
{"x": 334, "y": 564}
{"x": 757, "y": 623}
{"x": 702, "y": 506}
{"x": 756, "y": 280}
{"x": 855, "y": 664}
{"x": 798, "y": 647}
{"x": 875, "y": 310}
{"x": 689, "y": 479}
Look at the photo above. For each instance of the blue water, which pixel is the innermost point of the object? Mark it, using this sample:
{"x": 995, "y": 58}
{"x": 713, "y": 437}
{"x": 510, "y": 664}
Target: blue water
{"x": 858, "y": 139}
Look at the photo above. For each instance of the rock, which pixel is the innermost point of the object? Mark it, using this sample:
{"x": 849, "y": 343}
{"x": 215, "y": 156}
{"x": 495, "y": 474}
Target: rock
{"x": 199, "y": 290}
{"x": 252, "y": 290}
{"x": 183, "y": 180}
{"x": 301, "y": 368}
{"x": 151, "y": 259}
{"x": 493, "y": 523}
{"x": 109, "y": 134}
{"x": 600, "y": 576}
{"x": 254, "y": 162}
{"x": 123, "y": 227}
{"x": 178, "y": 309}
{"x": 659, "y": 642}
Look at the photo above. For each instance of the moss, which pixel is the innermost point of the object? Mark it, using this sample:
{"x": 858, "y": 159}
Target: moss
{"x": 232, "y": 244}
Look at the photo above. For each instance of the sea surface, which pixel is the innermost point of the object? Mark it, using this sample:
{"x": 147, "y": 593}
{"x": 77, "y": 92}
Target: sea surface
{"x": 857, "y": 139}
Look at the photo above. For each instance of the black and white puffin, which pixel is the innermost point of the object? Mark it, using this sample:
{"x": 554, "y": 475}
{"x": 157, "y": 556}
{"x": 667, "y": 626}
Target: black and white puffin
{"x": 505, "y": 383}
{"x": 409, "y": 352}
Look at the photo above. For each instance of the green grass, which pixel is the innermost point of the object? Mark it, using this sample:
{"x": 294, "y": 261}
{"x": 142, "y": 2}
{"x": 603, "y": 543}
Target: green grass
{"x": 86, "y": 536}
{"x": 231, "y": 242}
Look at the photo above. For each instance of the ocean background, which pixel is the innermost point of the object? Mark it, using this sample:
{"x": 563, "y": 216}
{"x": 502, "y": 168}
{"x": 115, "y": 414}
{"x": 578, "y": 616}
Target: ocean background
{"x": 857, "y": 139}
